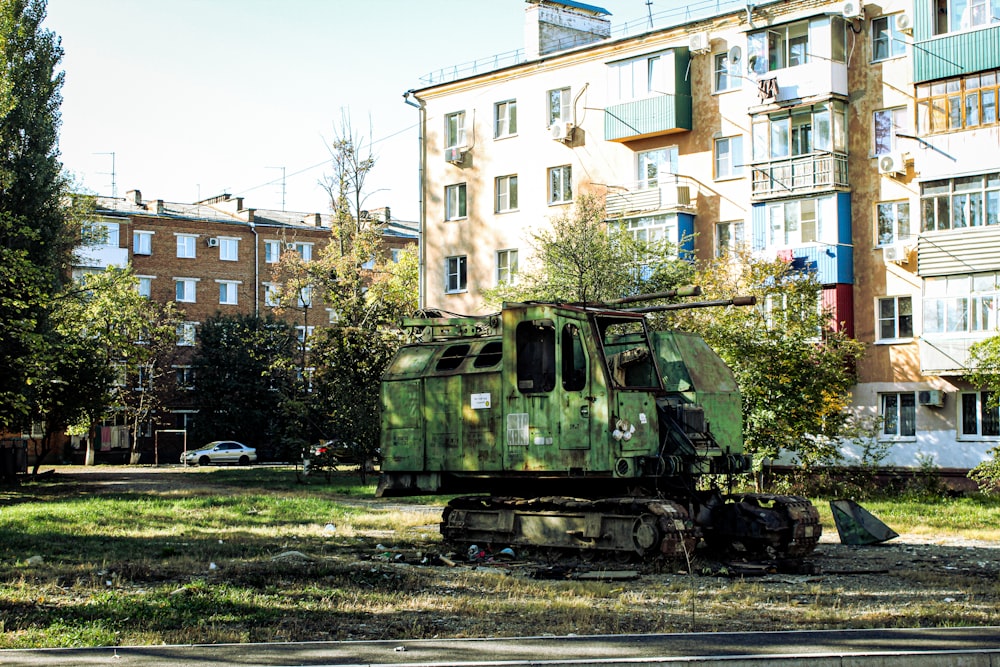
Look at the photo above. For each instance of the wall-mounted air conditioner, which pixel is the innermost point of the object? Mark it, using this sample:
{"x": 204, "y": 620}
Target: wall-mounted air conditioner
{"x": 853, "y": 9}
{"x": 561, "y": 131}
{"x": 699, "y": 42}
{"x": 931, "y": 397}
{"x": 454, "y": 155}
{"x": 896, "y": 252}
{"x": 213, "y": 242}
{"x": 891, "y": 163}
{"x": 904, "y": 23}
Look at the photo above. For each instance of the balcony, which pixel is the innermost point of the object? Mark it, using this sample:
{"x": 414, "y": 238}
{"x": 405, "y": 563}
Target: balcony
{"x": 99, "y": 256}
{"x": 651, "y": 117}
{"x": 672, "y": 193}
{"x": 799, "y": 175}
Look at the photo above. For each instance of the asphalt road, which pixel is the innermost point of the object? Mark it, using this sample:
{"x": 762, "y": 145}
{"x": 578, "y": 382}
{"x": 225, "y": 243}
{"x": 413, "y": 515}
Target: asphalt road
{"x": 904, "y": 647}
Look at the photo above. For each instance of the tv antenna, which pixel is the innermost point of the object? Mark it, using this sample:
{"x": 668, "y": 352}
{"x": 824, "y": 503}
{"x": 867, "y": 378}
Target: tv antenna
{"x": 282, "y": 186}
{"x": 649, "y": 10}
{"x": 114, "y": 186}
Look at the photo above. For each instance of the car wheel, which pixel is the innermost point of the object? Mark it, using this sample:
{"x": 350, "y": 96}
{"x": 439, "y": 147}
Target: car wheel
{"x": 204, "y": 461}
{"x": 244, "y": 460}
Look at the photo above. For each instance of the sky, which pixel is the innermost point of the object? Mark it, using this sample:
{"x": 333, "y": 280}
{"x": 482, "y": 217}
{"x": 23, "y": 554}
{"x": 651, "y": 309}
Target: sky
{"x": 188, "y": 99}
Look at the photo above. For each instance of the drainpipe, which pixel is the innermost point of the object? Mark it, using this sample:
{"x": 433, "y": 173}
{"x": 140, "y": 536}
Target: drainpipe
{"x": 256, "y": 276}
{"x": 422, "y": 159}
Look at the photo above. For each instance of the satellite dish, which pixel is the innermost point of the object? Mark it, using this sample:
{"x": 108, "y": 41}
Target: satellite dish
{"x": 735, "y": 54}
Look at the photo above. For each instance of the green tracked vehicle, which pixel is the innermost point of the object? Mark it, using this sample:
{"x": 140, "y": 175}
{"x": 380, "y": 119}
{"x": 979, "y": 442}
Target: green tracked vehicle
{"x": 579, "y": 429}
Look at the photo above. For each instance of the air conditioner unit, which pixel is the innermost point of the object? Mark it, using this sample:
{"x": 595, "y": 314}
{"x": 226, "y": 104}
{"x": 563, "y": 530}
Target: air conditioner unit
{"x": 454, "y": 155}
{"x": 904, "y": 23}
{"x": 853, "y": 9}
{"x": 561, "y": 131}
{"x": 213, "y": 242}
{"x": 699, "y": 42}
{"x": 931, "y": 397}
{"x": 895, "y": 253}
{"x": 891, "y": 163}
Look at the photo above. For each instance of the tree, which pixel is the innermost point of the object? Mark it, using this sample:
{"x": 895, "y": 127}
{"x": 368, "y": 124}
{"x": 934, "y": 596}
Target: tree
{"x": 794, "y": 371}
{"x": 36, "y": 228}
{"x": 583, "y": 258}
{"x": 984, "y": 372}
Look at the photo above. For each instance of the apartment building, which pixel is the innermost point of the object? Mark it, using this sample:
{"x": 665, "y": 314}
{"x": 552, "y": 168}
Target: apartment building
{"x": 216, "y": 256}
{"x": 857, "y": 140}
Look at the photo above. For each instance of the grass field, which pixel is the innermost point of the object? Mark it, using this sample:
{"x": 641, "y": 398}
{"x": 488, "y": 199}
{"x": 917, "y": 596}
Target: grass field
{"x": 250, "y": 554}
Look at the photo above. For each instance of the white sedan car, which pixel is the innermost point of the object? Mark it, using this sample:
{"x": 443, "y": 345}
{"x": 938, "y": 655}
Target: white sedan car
{"x": 220, "y": 451}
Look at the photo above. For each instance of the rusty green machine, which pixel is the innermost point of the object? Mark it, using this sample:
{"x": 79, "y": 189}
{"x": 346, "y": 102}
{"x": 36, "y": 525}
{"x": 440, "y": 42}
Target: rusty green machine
{"x": 577, "y": 428}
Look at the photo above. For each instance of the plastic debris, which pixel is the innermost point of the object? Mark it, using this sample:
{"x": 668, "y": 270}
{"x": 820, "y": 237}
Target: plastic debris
{"x": 35, "y": 560}
{"x": 213, "y": 566}
{"x": 287, "y": 555}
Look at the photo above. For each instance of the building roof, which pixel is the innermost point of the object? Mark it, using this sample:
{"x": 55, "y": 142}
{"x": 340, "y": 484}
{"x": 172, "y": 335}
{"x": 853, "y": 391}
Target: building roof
{"x": 575, "y": 5}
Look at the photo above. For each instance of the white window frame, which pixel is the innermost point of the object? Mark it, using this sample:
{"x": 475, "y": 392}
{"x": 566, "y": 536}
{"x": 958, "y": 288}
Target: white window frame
{"x": 229, "y": 249}
{"x": 884, "y": 32}
{"x": 186, "y": 246}
{"x": 228, "y": 292}
{"x": 506, "y": 263}
{"x": 649, "y": 75}
{"x": 272, "y": 252}
{"x": 653, "y": 228}
{"x": 185, "y": 290}
{"x": 305, "y": 251}
{"x": 504, "y": 119}
{"x": 184, "y": 376}
{"x": 892, "y": 222}
{"x": 558, "y": 105}
{"x": 891, "y": 311}
{"x": 304, "y": 298}
{"x": 654, "y": 167}
{"x": 779, "y": 47}
{"x": 897, "y": 417}
{"x": 456, "y": 201}
{"x": 962, "y": 305}
{"x": 186, "y": 334}
{"x": 506, "y": 194}
{"x": 144, "y": 285}
{"x": 789, "y": 225}
{"x": 886, "y": 125}
{"x": 724, "y": 78}
{"x": 560, "y": 185}
{"x": 456, "y": 274}
{"x": 978, "y": 402}
{"x": 957, "y": 203}
{"x": 728, "y": 153}
{"x": 142, "y": 242}
{"x": 271, "y": 293}
{"x": 454, "y": 130}
{"x": 730, "y": 235}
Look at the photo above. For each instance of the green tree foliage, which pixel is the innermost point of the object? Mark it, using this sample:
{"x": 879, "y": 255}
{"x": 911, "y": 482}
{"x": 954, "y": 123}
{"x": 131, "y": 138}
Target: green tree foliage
{"x": 984, "y": 372}
{"x": 794, "y": 371}
{"x": 36, "y": 234}
{"x": 582, "y": 258}
{"x": 245, "y": 373}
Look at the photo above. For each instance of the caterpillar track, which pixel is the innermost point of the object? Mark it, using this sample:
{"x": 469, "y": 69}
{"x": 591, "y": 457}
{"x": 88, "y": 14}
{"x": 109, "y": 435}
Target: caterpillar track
{"x": 752, "y": 526}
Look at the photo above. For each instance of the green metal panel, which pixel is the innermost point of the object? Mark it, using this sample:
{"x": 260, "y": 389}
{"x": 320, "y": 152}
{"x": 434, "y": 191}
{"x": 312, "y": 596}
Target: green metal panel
{"x": 402, "y": 425}
{"x": 657, "y": 115}
{"x": 955, "y": 54}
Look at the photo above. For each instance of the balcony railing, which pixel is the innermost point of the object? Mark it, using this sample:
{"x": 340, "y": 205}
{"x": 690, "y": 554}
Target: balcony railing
{"x": 668, "y": 193}
{"x": 799, "y": 175}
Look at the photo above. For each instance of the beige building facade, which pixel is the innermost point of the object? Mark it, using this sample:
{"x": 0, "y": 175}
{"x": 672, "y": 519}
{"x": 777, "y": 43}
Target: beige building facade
{"x": 856, "y": 140}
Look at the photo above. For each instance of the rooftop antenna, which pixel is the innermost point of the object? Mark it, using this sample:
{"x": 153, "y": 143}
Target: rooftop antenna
{"x": 649, "y": 10}
{"x": 114, "y": 186}
{"x": 282, "y": 186}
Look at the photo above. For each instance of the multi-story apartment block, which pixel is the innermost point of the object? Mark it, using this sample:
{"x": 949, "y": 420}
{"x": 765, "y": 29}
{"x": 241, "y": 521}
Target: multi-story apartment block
{"x": 215, "y": 257}
{"x": 855, "y": 140}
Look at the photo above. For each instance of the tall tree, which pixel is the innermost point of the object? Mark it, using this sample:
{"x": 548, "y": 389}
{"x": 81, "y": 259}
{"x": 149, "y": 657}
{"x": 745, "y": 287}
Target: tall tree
{"x": 36, "y": 234}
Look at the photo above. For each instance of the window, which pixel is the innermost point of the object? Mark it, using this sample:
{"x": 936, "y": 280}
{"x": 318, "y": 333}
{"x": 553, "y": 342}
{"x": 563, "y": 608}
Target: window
{"x": 536, "y": 357}
{"x": 185, "y": 377}
{"x": 887, "y": 124}
{"x": 145, "y": 285}
{"x": 186, "y": 334}
{"x": 227, "y": 292}
{"x": 184, "y": 289}
{"x": 228, "y": 249}
{"x": 955, "y": 15}
{"x": 899, "y": 415}
{"x": 559, "y": 110}
{"x": 574, "y": 359}
{"x": 305, "y": 298}
{"x": 887, "y": 42}
{"x": 895, "y": 318}
{"x": 142, "y": 243}
{"x": 729, "y": 236}
{"x": 99, "y": 233}
{"x": 652, "y": 228}
{"x": 779, "y": 47}
{"x": 800, "y": 221}
{"x": 455, "y": 202}
{"x": 506, "y": 193}
{"x": 727, "y": 75}
{"x": 970, "y": 201}
{"x": 185, "y": 245}
{"x": 978, "y": 418}
{"x": 640, "y": 78}
{"x": 959, "y": 103}
{"x": 655, "y": 166}
{"x": 961, "y": 304}
{"x": 303, "y": 334}
{"x": 305, "y": 251}
{"x": 396, "y": 254}
{"x": 504, "y": 119}
{"x": 454, "y": 274}
{"x": 454, "y": 124}
{"x": 561, "y": 185}
{"x": 271, "y": 294}
{"x": 822, "y": 127}
{"x": 729, "y": 157}
{"x": 272, "y": 251}
{"x": 892, "y": 221}
{"x": 506, "y": 267}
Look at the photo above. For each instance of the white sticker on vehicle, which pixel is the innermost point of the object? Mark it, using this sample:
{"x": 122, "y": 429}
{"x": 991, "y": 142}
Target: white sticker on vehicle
{"x": 480, "y": 401}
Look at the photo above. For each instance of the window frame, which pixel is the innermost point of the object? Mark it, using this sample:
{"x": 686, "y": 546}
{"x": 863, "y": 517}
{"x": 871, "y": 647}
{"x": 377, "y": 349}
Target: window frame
{"x": 505, "y": 119}
{"x": 895, "y": 44}
{"x": 980, "y": 406}
{"x": 187, "y": 243}
{"x": 461, "y": 197}
{"x": 455, "y": 132}
{"x": 723, "y": 78}
{"x": 142, "y": 242}
{"x": 506, "y": 266}
{"x": 558, "y": 111}
{"x": 737, "y": 240}
{"x": 272, "y": 251}
{"x": 560, "y": 192}
{"x": 649, "y": 164}
{"x": 897, "y": 317}
{"x": 505, "y": 194}
{"x": 898, "y": 421}
{"x": 734, "y": 157}
{"x": 228, "y": 292}
{"x": 144, "y": 285}
{"x": 898, "y": 232}
{"x": 304, "y": 250}
{"x": 229, "y": 249}
{"x": 456, "y": 274}
{"x": 936, "y": 100}
{"x": 186, "y": 290}
{"x": 893, "y": 120}
{"x": 187, "y": 333}
{"x": 943, "y": 199}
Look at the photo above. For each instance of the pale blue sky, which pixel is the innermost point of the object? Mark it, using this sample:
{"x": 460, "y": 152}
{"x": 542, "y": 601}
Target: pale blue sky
{"x": 200, "y": 97}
